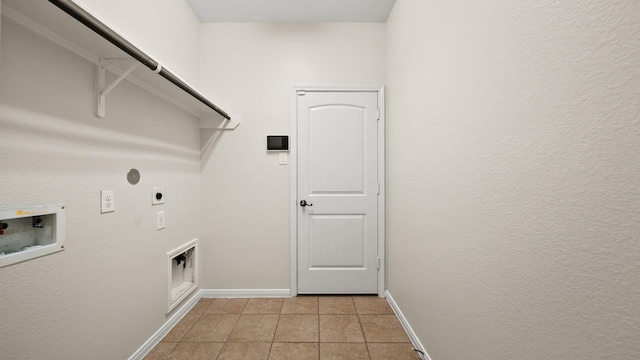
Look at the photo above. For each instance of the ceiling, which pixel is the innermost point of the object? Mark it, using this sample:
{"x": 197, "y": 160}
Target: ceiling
{"x": 292, "y": 10}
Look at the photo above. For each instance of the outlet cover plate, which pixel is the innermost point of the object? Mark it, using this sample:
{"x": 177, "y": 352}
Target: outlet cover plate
{"x": 107, "y": 201}
{"x": 155, "y": 193}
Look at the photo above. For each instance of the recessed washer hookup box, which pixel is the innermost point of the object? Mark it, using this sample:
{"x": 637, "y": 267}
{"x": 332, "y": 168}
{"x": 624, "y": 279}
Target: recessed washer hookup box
{"x": 30, "y": 232}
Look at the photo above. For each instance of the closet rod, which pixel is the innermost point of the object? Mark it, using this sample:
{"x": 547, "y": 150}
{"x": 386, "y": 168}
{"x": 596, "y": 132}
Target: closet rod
{"x": 101, "y": 29}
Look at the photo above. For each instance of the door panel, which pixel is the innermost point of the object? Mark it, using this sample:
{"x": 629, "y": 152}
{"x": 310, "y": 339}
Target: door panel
{"x": 338, "y": 177}
{"x": 336, "y": 241}
{"x": 336, "y": 149}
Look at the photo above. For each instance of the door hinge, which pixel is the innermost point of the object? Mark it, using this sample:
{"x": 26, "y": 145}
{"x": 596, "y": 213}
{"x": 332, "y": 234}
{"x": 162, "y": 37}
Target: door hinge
{"x": 378, "y": 188}
{"x": 378, "y": 263}
{"x": 302, "y": 93}
{"x": 378, "y": 114}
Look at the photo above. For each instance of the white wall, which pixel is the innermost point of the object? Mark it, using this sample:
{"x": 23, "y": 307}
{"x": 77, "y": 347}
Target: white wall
{"x": 105, "y": 294}
{"x": 167, "y": 30}
{"x": 250, "y": 70}
{"x": 513, "y": 177}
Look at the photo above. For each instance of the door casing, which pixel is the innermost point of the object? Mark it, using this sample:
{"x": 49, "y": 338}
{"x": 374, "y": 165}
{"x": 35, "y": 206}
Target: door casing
{"x": 293, "y": 199}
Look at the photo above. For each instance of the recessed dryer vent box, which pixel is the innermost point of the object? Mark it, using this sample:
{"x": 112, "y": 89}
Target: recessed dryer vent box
{"x": 30, "y": 232}
{"x": 182, "y": 275}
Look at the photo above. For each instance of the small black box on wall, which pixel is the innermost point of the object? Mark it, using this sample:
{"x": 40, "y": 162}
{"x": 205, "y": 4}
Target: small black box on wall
{"x": 277, "y": 142}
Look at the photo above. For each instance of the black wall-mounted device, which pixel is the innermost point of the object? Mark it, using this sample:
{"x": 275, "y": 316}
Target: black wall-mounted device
{"x": 277, "y": 142}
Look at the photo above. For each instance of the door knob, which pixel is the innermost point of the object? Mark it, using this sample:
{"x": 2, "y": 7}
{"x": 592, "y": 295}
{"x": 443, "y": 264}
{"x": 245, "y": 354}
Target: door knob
{"x": 304, "y": 203}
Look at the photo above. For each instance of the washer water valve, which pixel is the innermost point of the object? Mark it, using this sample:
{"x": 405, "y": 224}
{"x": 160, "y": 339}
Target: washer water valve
{"x": 36, "y": 222}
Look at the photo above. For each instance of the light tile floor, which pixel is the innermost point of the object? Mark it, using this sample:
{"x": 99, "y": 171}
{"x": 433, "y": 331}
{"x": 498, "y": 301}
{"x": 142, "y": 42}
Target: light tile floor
{"x": 300, "y": 328}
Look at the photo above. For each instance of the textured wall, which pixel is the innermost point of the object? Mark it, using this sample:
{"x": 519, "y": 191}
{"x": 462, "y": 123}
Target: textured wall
{"x": 105, "y": 294}
{"x": 250, "y": 70}
{"x": 513, "y": 177}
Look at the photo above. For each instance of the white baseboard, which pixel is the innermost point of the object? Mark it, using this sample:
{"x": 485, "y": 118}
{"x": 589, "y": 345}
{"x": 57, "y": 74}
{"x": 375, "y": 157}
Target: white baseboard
{"x": 165, "y": 328}
{"x": 245, "y": 293}
{"x": 405, "y": 324}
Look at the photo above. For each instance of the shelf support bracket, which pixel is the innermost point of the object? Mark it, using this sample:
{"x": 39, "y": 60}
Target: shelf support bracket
{"x": 208, "y": 122}
{"x": 102, "y": 90}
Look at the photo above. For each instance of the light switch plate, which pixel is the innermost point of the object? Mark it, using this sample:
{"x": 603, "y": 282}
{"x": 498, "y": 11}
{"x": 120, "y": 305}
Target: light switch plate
{"x": 160, "y": 220}
{"x": 283, "y": 159}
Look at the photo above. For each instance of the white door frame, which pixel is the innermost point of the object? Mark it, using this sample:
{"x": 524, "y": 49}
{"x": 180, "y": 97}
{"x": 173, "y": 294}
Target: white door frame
{"x": 293, "y": 199}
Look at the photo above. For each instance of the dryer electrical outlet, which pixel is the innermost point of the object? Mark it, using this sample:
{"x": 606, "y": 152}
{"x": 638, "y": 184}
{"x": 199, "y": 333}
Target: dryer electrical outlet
{"x": 157, "y": 196}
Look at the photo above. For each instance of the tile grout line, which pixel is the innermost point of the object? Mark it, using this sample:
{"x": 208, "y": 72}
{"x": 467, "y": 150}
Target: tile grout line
{"x": 318, "y": 314}
{"x": 275, "y": 331}
{"x": 366, "y": 343}
{"x": 318, "y": 304}
{"x": 187, "y": 331}
{"x": 233, "y": 328}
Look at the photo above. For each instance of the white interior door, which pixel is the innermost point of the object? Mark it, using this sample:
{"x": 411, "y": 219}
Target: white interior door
{"x": 337, "y": 196}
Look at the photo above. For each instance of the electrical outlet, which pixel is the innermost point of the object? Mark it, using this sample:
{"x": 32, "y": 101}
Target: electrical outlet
{"x": 107, "y": 201}
{"x": 160, "y": 220}
{"x": 157, "y": 196}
